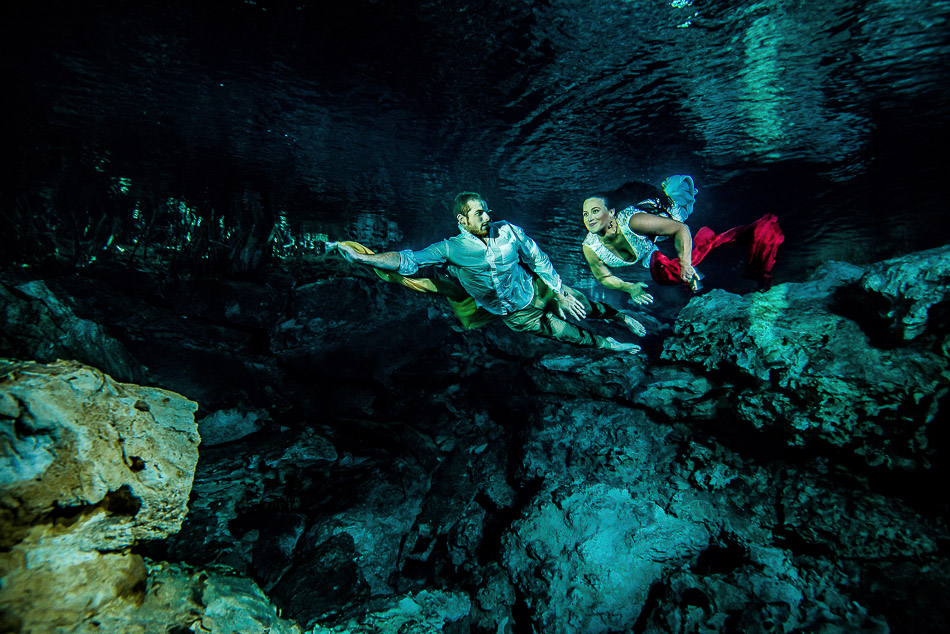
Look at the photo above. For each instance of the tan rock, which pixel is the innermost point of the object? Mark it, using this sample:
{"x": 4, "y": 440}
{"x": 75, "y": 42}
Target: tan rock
{"x": 68, "y": 590}
{"x": 88, "y": 466}
{"x": 111, "y": 462}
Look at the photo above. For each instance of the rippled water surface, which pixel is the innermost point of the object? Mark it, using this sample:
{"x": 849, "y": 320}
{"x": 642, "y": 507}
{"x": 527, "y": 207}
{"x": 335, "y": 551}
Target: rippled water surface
{"x": 363, "y": 120}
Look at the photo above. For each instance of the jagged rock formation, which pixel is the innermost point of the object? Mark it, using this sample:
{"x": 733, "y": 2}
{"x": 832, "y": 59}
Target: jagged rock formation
{"x": 794, "y": 362}
{"x": 88, "y": 468}
{"x": 767, "y": 469}
{"x": 38, "y": 326}
{"x": 908, "y": 288}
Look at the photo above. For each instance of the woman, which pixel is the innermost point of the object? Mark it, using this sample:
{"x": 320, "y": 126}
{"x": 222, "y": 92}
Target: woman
{"x": 649, "y": 214}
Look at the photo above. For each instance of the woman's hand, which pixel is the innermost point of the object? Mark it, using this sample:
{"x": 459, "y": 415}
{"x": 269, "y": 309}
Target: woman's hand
{"x": 639, "y": 295}
{"x": 687, "y": 272}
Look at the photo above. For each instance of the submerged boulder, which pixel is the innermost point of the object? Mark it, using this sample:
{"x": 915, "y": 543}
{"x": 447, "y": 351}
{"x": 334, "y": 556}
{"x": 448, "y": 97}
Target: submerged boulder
{"x": 801, "y": 368}
{"x": 39, "y": 325}
{"x": 586, "y": 559}
{"x": 113, "y": 461}
{"x": 228, "y": 425}
{"x": 88, "y": 468}
{"x": 909, "y": 288}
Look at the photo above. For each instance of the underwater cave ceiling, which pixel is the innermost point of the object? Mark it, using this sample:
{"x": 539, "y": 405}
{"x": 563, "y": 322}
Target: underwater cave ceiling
{"x": 362, "y": 119}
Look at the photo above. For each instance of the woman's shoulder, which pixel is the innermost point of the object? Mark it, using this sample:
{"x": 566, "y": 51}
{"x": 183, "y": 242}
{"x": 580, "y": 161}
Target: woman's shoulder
{"x": 629, "y": 213}
{"x": 625, "y": 214}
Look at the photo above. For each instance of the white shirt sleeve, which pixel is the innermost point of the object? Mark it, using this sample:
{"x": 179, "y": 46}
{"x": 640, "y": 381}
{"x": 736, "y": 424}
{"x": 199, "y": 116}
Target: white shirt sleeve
{"x": 536, "y": 259}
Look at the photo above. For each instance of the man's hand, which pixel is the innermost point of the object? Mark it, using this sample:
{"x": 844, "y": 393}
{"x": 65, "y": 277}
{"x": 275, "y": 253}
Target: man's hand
{"x": 567, "y": 303}
{"x": 389, "y": 261}
{"x": 639, "y": 295}
{"x": 349, "y": 253}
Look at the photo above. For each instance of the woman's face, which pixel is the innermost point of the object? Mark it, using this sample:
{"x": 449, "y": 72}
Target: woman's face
{"x": 596, "y": 215}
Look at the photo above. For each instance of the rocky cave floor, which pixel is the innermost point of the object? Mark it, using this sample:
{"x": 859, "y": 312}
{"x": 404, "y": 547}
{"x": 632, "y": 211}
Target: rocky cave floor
{"x": 769, "y": 463}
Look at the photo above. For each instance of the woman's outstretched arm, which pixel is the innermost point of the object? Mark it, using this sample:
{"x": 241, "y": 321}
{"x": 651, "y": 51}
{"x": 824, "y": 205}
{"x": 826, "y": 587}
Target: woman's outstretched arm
{"x": 603, "y": 274}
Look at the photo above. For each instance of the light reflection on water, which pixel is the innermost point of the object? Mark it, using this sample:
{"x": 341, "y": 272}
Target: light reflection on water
{"x": 820, "y": 112}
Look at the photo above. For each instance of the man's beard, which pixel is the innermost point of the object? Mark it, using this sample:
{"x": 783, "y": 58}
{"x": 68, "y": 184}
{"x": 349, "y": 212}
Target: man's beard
{"x": 478, "y": 231}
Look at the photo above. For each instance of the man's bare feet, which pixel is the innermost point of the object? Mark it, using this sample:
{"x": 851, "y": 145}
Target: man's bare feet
{"x": 633, "y": 325}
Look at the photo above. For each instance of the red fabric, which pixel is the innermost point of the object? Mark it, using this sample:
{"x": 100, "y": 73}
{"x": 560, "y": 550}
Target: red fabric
{"x": 763, "y": 236}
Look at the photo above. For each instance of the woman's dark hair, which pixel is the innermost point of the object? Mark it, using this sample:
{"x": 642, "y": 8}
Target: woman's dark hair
{"x": 605, "y": 196}
{"x": 640, "y": 195}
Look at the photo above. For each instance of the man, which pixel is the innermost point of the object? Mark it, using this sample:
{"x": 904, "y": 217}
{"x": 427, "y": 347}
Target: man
{"x": 487, "y": 259}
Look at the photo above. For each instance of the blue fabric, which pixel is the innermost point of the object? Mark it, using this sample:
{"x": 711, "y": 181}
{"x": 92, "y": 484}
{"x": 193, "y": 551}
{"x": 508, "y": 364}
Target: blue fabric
{"x": 683, "y": 192}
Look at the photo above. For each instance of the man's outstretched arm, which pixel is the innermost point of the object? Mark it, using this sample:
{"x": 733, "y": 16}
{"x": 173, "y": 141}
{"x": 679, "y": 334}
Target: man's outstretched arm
{"x": 405, "y": 262}
{"x": 388, "y": 261}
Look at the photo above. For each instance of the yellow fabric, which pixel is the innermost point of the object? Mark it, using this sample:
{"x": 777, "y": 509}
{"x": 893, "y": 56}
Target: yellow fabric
{"x": 469, "y": 313}
{"x": 463, "y": 305}
{"x": 423, "y": 285}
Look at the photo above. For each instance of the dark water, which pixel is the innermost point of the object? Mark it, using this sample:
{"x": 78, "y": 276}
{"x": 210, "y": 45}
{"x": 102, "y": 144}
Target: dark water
{"x": 362, "y": 119}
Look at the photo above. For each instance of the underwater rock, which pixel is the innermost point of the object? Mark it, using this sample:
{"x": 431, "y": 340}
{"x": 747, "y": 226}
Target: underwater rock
{"x": 588, "y": 372}
{"x": 275, "y": 543}
{"x": 771, "y": 546}
{"x": 587, "y": 559}
{"x": 494, "y": 601}
{"x": 422, "y": 612}
{"x": 244, "y": 488}
{"x": 215, "y": 354}
{"x": 37, "y": 325}
{"x": 757, "y": 589}
{"x": 851, "y": 522}
{"x": 382, "y": 511}
{"x": 347, "y": 328}
{"x": 213, "y": 600}
{"x": 347, "y": 557}
{"x": 323, "y": 582}
{"x": 113, "y": 592}
{"x": 114, "y": 461}
{"x": 681, "y": 393}
{"x": 467, "y": 487}
{"x": 595, "y": 442}
{"x": 228, "y": 425}
{"x": 910, "y": 287}
{"x": 239, "y": 303}
{"x": 811, "y": 373}
{"x": 89, "y": 468}
{"x": 51, "y": 584}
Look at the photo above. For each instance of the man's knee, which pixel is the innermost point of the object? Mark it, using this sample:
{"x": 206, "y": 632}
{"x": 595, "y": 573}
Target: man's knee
{"x": 517, "y": 326}
{"x": 524, "y": 321}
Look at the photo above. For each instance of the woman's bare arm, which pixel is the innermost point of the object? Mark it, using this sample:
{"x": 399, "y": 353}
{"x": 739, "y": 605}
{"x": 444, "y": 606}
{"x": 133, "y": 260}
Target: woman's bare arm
{"x": 603, "y": 274}
{"x": 650, "y": 225}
